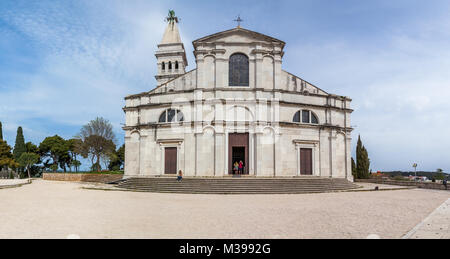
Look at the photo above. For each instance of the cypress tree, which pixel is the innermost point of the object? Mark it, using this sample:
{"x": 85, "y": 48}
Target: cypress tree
{"x": 362, "y": 161}
{"x": 366, "y": 163}
{"x": 19, "y": 147}
{"x": 359, "y": 158}
{"x": 353, "y": 168}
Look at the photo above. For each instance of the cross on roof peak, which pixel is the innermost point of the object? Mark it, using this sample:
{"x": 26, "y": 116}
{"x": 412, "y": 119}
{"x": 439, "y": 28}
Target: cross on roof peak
{"x": 239, "y": 20}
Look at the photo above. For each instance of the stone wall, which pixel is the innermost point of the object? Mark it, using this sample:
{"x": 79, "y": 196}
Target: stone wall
{"x": 424, "y": 185}
{"x": 5, "y": 174}
{"x": 74, "y": 177}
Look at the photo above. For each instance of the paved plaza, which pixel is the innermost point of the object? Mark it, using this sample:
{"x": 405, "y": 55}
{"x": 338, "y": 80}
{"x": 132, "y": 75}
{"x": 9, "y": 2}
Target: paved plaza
{"x": 436, "y": 225}
{"x": 6, "y": 183}
{"x": 46, "y": 209}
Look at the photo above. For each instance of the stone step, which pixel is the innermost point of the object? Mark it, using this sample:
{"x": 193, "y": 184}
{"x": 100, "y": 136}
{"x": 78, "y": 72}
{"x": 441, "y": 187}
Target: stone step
{"x": 230, "y": 185}
{"x": 239, "y": 182}
{"x": 235, "y": 191}
{"x": 241, "y": 187}
{"x": 231, "y": 188}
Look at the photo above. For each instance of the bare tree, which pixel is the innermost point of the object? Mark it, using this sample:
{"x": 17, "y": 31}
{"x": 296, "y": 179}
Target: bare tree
{"x": 97, "y": 141}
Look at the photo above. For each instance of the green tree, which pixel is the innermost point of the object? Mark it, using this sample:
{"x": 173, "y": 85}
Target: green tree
{"x": 65, "y": 160}
{"x": 56, "y": 149}
{"x": 27, "y": 160}
{"x": 19, "y": 147}
{"x": 117, "y": 159}
{"x": 354, "y": 168}
{"x": 358, "y": 157}
{"x": 54, "y": 167}
{"x": 32, "y": 148}
{"x": 6, "y": 157}
{"x": 439, "y": 174}
{"x": 97, "y": 141}
{"x": 366, "y": 165}
{"x": 74, "y": 145}
{"x": 76, "y": 164}
{"x": 362, "y": 161}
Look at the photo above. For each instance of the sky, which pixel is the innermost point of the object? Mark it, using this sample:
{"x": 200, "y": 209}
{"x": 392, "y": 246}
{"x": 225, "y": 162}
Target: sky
{"x": 63, "y": 63}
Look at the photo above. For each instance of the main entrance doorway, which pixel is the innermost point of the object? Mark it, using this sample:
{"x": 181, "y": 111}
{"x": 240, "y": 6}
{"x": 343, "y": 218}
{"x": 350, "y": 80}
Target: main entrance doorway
{"x": 238, "y": 151}
{"x": 170, "y": 160}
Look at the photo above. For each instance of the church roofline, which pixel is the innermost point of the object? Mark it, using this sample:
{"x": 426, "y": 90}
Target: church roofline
{"x": 157, "y": 87}
{"x": 237, "y": 29}
{"x": 306, "y": 81}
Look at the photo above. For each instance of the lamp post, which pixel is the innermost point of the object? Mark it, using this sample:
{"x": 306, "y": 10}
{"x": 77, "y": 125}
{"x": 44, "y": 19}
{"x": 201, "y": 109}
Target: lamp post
{"x": 415, "y": 171}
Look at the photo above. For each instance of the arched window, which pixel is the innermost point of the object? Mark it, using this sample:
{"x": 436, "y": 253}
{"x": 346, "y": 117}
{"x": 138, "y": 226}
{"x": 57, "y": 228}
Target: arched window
{"x": 171, "y": 115}
{"x": 297, "y": 117}
{"x": 176, "y": 64}
{"x": 163, "y": 66}
{"x": 238, "y": 72}
{"x": 305, "y": 116}
{"x": 314, "y": 119}
{"x": 170, "y": 65}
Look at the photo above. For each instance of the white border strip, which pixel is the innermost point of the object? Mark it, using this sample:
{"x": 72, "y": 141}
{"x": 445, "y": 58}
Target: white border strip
{"x": 436, "y": 211}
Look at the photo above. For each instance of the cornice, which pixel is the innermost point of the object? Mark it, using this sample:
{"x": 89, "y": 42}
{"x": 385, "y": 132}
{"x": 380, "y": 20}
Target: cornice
{"x": 193, "y": 124}
{"x": 223, "y": 101}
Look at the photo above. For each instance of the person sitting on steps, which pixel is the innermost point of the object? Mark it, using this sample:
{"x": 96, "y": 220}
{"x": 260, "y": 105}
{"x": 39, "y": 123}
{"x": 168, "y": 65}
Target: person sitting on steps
{"x": 180, "y": 176}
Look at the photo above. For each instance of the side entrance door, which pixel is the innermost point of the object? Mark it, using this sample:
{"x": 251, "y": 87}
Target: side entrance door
{"x": 170, "y": 163}
{"x": 306, "y": 161}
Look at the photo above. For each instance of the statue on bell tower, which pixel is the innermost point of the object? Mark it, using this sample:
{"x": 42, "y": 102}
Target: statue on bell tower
{"x": 171, "y": 56}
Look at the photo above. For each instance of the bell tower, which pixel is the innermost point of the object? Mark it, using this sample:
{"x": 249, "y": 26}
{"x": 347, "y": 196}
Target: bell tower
{"x": 170, "y": 56}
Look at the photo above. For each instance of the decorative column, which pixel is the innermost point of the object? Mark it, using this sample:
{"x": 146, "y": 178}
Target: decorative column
{"x": 225, "y": 148}
{"x": 251, "y": 153}
{"x": 258, "y": 67}
{"x": 332, "y": 151}
{"x": 297, "y": 147}
{"x": 276, "y": 154}
{"x": 258, "y": 148}
{"x": 161, "y": 147}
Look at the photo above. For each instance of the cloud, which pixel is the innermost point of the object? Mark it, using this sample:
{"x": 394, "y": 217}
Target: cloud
{"x": 89, "y": 62}
{"x": 400, "y": 90}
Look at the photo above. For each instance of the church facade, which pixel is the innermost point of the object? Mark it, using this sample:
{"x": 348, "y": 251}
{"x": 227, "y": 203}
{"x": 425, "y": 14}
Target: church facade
{"x": 238, "y": 104}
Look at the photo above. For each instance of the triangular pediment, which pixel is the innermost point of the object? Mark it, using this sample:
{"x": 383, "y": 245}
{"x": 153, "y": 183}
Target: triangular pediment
{"x": 238, "y": 35}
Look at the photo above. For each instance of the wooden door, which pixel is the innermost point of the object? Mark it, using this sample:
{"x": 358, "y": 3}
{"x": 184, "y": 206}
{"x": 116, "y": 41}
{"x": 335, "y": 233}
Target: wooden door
{"x": 170, "y": 157}
{"x": 306, "y": 161}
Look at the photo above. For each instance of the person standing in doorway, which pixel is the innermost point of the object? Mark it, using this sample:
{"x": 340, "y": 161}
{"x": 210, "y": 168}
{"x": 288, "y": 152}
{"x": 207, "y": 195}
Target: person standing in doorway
{"x": 180, "y": 176}
{"x": 241, "y": 167}
{"x": 236, "y": 167}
